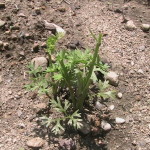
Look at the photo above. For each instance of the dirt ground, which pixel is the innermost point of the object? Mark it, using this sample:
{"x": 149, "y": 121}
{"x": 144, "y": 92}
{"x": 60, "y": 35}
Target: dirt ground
{"x": 127, "y": 52}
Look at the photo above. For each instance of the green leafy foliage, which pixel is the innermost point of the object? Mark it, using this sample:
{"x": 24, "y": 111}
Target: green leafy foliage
{"x": 57, "y": 123}
{"x": 39, "y": 83}
{"x": 103, "y": 93}
{"x": 74, "y": 72}
{"x": 32, "y": 71}
{"x": 51, "y": 43}
{"x": 75, "y": 121}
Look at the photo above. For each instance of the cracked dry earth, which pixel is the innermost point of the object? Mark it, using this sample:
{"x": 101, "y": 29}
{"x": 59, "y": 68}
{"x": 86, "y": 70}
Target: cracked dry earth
{"x": 127, "y": 52}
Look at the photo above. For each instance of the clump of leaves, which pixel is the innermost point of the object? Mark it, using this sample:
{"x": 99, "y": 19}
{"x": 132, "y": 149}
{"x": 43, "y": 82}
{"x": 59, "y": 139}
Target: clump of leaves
{"x": 72, "y": 120}
{"x": 73, "y": 71}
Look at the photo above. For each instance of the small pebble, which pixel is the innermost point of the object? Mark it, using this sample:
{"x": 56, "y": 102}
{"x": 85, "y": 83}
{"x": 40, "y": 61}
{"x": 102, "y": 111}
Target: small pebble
{"x": 62, "y": 9}
{"x": 132, "y": 63}
{"x": 15, "y": 27}
{"x": 145, "y": 27}
{"x": 35, "y": 142}
{"x": 138, "y": 97}
{"x": 99, "y": 106}
{"x": 40, "y": 62}
{"x": 58, "y": 29}
{"x": 142, "y": 48}
{"x": 28, "y": 36}
{"x": 21, "y": 15}
{"x": 106, "y": 126}
{"x": 19, "y": 113}
{"x": 134, "y": 143}
{"x": 6, "y": 45}
{"x": 2, "y": 23}
{"x": 21, "y": 125}
{"x": 140, "y": 71}
{"x": 119, "y": 120}
{"x": 10, "y": 92}
{"x": 119, "y": 95}
{"x": 112, "y": 77}
{"x": 130, "y": 26}
{"x": 85, "y": 129}
{"x": 111, "y": 107}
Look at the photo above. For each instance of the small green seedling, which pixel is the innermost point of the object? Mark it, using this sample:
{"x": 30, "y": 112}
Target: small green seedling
{"x": 74, "y": 72}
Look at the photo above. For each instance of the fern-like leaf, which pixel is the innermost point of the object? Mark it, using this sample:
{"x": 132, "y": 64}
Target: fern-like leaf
{"x": 57, "y": 128}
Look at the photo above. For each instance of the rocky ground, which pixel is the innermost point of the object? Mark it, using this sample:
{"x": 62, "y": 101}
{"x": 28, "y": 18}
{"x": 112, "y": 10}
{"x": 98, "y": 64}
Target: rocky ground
{"x": 126, "y": 48}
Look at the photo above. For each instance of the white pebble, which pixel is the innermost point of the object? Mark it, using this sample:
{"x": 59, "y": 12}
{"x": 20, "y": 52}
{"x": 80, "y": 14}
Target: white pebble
{"x": 140, "y": 71}
{"x": 145, "y": 27}
{"x": 119, "y": 95}
{"x": 119, "y": 120}
{"x": 130, "y": 25}
{"x": 106, "y": 126}
{"x": 111, "y": 107}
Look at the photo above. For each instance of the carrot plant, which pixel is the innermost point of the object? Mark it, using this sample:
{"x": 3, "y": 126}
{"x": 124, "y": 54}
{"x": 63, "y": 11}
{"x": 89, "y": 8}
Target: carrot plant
{"x": 74, "y": 72}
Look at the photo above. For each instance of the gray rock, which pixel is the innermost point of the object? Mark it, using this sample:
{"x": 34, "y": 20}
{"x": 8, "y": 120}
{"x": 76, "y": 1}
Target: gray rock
{"x": 35, "y": 142}
{"x": 145, "y": 27}
{"x": 67, "y": 144}
{"x": 105, "y": 126}
{"x": 53, "y": 26}
{"x": 142, "y": 48}
{"x": 85, "y": 129}
{"x": 119, "y": 120}
{"x": 99, "y": 106}
{"x": 112, "y": 77}
{"x": 130, "y": 26}
{"x": 40, "y": 62}
{"x": 2, "y": 23}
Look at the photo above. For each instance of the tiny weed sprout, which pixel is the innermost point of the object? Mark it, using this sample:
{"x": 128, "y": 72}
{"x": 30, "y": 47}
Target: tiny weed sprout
{"x": 70, "y": 75}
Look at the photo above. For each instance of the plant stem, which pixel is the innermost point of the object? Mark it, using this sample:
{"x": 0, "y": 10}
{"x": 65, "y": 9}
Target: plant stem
{"x": 54, "y": 88}
{"x": 65, "y": 75}
{"x": 86, "y": 87}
